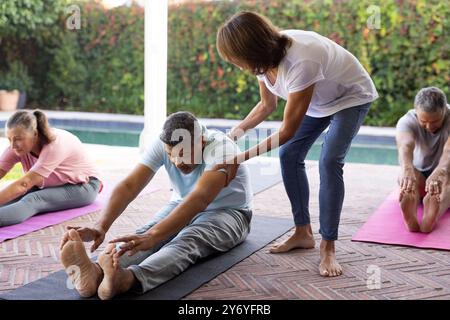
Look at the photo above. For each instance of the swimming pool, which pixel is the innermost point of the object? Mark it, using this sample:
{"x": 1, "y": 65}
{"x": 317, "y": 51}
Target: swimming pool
{"x": 365, "y": 152}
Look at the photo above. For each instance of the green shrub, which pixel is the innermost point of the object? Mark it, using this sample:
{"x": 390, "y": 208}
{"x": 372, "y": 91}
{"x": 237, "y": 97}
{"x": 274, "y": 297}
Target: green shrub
{"x": 16, "y": 78}
{"x": 101, "y": 66}
{"x": 410, "y": 50}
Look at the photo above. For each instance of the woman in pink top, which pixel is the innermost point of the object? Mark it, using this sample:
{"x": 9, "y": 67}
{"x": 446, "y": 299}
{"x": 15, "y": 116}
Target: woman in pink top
{"x": 58, "y": 172}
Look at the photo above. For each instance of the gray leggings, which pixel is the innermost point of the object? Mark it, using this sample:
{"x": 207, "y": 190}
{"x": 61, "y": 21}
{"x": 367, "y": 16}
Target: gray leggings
{"x": 49, "y": 199}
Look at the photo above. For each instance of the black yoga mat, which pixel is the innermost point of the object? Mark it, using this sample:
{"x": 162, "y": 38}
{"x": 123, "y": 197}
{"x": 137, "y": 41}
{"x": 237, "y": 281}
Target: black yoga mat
{"x": 263, "y": 231}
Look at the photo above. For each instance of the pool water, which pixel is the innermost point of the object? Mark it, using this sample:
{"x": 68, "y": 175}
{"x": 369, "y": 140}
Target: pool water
{"x": 359, "y": 153}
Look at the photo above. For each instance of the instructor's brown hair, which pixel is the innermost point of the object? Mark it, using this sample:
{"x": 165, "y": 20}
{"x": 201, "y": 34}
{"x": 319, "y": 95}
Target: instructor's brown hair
{"x": 251, "y": 40}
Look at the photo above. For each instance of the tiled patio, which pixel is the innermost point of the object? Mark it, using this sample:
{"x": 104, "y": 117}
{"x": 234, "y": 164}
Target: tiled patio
{"x": 406, "y": 273}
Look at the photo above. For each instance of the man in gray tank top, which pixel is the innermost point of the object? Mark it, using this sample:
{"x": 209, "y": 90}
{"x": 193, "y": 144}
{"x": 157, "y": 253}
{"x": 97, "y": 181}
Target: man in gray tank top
{"x": 424, "y": 155}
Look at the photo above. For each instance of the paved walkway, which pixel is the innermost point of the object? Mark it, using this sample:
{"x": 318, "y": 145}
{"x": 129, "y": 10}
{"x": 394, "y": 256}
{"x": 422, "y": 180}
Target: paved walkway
{"x": 406, "y": 273}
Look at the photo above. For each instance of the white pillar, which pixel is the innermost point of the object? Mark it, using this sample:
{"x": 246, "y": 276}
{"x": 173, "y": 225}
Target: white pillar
{"x": 155, "y": 95}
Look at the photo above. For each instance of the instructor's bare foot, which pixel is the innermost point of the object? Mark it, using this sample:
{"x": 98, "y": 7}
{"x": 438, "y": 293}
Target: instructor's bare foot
{"x": 302, "y": 238}
{"x": 116, "y": 280}
{"x": 430, "y": 213}
{"x": 328, "y": 267}
{"x": 409, "y": 210}
{"x": 84, "y": 274}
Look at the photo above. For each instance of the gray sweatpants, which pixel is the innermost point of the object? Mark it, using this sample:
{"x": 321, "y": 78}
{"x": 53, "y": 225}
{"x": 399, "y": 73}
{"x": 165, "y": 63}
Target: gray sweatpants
{"x": 208, "y": 232}
{"x": 49, "y": 199}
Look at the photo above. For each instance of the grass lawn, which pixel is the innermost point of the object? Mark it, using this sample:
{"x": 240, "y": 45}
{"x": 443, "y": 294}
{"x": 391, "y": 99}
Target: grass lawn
{"x": 15, "y": 173}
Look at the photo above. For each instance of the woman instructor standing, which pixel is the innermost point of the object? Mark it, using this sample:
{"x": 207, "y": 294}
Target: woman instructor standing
{"x": 324, "y": 85}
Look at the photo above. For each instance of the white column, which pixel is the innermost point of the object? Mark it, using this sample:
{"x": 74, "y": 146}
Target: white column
{"x": 155, "y": 96}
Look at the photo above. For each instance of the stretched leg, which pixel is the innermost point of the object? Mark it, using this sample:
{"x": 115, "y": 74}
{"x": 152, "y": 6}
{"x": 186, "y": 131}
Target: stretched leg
{"x": 410, "y": 201}
{"x": 49, "y": 199}
{"x": 292, "y": 160}
{"x": 84, "y": 274}
{"x": 343, "y": 128}
{"x": 118, "y": 278}
{"x": 208, "y": 233}
{"x": 434, "y": 208}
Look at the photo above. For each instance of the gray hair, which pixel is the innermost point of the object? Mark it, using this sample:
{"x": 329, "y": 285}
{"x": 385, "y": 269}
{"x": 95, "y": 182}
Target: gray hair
{"x": 32, "y": 121}
{"x": 430, "y": 99}
{"x": 180, "y": 126}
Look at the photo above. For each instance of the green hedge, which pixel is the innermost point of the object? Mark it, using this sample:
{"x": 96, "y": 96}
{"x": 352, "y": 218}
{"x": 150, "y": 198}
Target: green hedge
{"x": 101, "y": 67}
{"x": 410, "y": 50}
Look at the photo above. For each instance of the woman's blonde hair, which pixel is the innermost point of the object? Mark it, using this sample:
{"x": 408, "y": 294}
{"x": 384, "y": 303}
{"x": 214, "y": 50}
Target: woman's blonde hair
{"x": 32, "y": 121}
{"x": 251, "y": 39}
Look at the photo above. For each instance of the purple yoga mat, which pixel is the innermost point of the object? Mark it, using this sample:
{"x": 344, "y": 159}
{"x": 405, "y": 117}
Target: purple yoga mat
{"x": 48, "y": 219}
{"x": 386, "y": 226}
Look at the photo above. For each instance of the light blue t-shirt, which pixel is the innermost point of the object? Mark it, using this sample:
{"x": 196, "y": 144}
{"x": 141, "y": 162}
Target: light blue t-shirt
{"x": 237, "y": 195}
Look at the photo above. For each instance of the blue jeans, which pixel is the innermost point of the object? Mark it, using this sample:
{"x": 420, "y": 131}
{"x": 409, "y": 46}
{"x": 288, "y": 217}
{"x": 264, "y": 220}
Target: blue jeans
{"x": 344, "y": 126}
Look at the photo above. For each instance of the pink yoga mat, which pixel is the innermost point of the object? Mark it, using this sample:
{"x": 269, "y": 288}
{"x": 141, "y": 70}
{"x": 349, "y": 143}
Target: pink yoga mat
{"x": 48, "y": 219}
{"x": 386, "y": 226}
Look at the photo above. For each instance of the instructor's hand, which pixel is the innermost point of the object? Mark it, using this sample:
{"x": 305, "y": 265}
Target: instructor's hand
{"x": 230, "y": 170}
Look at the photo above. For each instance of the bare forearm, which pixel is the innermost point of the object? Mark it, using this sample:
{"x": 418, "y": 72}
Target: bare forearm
{"x": 12, "y": 192}
{"x": 178, "y": 219}
{"x": 258, "y": 114}
{"x": 270, "y": 143}
{"x": 444, "y": 162}
{"x": 118, "y": 202}
{"x": 406, "y": 156}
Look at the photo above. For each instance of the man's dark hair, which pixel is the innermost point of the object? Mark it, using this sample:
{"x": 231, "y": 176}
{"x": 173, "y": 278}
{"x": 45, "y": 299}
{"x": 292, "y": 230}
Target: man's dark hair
{"x": 176, "y": 121}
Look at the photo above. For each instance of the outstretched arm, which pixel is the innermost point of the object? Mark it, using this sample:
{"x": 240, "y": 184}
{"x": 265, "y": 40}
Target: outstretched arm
{"x": 125, "y": 192}
{"x": 294, "y": 112}
{"x": 405, "y": 146}
{"x": 20, "y": 187}
{"x": 439, "y": 177}
{"x": 259, "y": 113}
{"x": 206, "y": 190}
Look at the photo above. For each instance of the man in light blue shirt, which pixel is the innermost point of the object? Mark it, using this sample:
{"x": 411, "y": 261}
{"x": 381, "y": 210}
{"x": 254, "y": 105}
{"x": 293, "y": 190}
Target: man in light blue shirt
{"x": 203, "y": 217}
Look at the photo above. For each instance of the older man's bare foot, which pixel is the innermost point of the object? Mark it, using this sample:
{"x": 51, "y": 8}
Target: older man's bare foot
{"x": 328, "y": 267}
{"x": 430, "y": 213}
{"x": 302, "y": 238}
{"x": 408, "y": 205}
{"x": 84, "y": 274}
{"x": 116, "y": 280}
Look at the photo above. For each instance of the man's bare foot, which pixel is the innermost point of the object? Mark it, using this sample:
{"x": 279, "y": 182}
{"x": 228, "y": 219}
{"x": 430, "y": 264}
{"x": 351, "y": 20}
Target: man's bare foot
{"x": 409, "y": 204}
{"x": 116, "y": 280}
{"x": 328, "y": 267}
{"x": 84, "y": 274}
{"x": 430, "y": 213}
{"x": 302, "y": 238}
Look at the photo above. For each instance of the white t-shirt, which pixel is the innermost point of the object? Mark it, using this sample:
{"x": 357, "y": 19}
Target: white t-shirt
{"x": 237, "y": 195}
{"x": 340, "y": 80}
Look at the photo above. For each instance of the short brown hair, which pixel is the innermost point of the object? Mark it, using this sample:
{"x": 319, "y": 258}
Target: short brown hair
{"x": 251, "y": 38}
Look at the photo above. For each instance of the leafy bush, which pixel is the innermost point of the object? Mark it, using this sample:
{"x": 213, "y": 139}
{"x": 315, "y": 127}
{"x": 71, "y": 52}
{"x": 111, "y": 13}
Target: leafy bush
{"x": 410, "y": 50}
{"x": 101, "y": 66}
{"x": 16, "y": 78}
